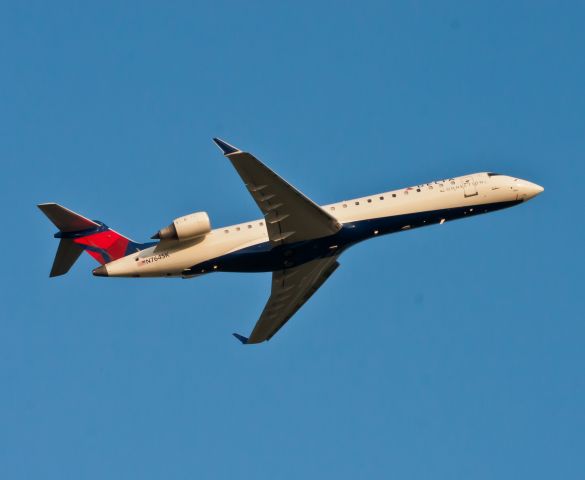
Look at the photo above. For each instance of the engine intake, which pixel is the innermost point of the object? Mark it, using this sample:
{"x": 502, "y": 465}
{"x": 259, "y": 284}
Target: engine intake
{"x": 185, "y": 228}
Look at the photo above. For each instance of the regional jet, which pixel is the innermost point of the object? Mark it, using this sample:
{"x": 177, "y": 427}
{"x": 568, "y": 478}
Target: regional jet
{"x": 296, "y": 240}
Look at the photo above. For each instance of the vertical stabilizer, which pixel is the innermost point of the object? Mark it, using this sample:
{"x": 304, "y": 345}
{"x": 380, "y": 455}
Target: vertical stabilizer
{"x": 78, "y": 233}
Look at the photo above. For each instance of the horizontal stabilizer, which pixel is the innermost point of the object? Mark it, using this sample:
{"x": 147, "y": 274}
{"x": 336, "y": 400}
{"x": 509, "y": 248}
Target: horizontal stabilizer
{"x": 241, "y": 338}
{"x": 66, "y": 220}
{"x": 67, "y": 253}
{"x": 78, "y": 233}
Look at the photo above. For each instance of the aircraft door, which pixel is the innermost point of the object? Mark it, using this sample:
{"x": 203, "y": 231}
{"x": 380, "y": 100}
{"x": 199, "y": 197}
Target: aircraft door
{"x": 469, "y": 188}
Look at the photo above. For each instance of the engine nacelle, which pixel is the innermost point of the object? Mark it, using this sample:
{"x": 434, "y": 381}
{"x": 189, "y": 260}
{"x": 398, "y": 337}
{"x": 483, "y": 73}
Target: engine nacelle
{"x": 187, "y": 227}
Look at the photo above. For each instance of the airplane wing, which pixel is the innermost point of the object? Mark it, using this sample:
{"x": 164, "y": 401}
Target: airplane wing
{"x": 291, "y": 288}
{"x": 290, "y": 216}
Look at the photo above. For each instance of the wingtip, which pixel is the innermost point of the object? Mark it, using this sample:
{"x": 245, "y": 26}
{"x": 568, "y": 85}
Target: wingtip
{"x": 225, "y": 147}
{"x": 241, "y": 338}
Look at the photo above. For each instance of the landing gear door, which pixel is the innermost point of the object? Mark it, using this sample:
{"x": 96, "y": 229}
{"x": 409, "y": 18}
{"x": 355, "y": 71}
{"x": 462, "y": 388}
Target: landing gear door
{"x": 469, "y": 187}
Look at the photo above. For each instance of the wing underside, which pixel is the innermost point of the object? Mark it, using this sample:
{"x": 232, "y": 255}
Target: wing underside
{"x": 291, "y": 288}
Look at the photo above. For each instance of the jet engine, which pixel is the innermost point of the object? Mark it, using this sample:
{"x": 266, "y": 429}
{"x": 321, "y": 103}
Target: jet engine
{"x": 187, "y": 227}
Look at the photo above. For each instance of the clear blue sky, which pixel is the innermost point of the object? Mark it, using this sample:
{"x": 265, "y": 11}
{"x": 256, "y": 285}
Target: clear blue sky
{"x": 447, "y": 352}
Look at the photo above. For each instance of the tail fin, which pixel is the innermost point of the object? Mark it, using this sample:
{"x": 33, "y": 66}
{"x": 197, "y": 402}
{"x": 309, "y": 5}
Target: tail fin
{"x": 78, "y": 233}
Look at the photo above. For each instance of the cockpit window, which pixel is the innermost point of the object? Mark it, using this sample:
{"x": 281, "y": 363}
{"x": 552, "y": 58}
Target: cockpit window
{"x": 492, "y": 174}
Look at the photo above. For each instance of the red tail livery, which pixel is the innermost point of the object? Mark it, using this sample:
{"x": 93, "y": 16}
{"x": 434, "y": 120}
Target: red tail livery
{"x": 78, "y": 233}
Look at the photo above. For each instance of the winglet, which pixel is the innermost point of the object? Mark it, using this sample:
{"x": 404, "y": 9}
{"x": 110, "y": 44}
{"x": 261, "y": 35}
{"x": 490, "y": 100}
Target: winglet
{"x": 226, "y": 148}
{"x": 241, "y": 338}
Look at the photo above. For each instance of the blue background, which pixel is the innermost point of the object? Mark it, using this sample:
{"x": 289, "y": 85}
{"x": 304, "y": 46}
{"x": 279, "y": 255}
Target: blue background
{"x": 447, "y": 352}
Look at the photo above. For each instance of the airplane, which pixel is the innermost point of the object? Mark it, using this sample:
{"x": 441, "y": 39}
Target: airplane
{"x": 296, "y": 240}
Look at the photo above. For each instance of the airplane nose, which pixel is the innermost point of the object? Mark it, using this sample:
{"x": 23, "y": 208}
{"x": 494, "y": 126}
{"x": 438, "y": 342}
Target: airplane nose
{"x": 526, "y": 190}
{"x": 531, "y": 190}
{"x": 101, "y": 271}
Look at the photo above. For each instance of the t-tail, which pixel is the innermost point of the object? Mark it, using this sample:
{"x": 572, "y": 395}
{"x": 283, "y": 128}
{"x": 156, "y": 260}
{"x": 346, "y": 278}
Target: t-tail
{"x": 77, "y": 233}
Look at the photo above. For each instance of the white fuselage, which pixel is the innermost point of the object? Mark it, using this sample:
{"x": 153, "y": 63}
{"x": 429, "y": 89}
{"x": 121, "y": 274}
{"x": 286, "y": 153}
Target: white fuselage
{"x": 173, "y": 258}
